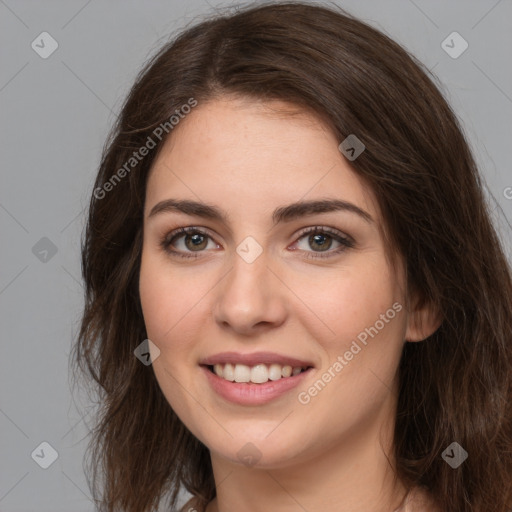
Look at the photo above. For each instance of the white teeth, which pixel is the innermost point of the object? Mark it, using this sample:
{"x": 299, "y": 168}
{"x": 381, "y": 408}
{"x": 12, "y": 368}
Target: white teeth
{"x": 217, "y": 368}
{"x": 286, "y": 371}
{"x": 242, "y": 373}
{"x": 228, "y": 372}
{"x": 274, "y": 372}
{"x": 257, "y": 374}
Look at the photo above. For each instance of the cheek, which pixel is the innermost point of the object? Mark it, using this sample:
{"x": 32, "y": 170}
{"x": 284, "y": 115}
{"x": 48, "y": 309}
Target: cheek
{"x": 362, "y": 349}
{"x": 156, "y": 301}
{"x": 353, "y": 300}
{"x": 172, "y": 302}
{"x": 166, "y": 313}
{"x": 167, "y": 297}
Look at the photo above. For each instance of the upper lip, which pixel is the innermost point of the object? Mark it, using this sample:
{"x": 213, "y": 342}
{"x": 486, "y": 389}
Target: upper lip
{"x": 253, "y": 359}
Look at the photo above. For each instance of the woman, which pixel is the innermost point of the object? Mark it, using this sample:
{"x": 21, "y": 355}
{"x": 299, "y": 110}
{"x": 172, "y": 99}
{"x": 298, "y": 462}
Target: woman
{"x": 288, "y": 373}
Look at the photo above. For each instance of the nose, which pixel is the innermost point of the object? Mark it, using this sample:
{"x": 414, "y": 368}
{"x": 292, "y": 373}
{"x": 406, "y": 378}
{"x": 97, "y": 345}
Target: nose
{"x": 251, "y": 298}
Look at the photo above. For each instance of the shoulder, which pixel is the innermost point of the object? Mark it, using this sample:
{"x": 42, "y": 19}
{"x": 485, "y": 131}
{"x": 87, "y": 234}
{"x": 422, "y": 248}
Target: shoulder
{"x": 192, "y": 505}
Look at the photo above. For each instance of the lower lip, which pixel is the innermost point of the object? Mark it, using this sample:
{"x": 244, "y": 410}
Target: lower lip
{"x": 253, "y": 394}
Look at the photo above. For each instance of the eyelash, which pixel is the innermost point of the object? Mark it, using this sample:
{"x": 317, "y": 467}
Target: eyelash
{"x": 346, "y": 242}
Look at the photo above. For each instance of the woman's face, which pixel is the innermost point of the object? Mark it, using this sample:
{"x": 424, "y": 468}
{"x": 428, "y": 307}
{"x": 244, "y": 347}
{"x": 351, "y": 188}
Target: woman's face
{"x": 253, "y": 286}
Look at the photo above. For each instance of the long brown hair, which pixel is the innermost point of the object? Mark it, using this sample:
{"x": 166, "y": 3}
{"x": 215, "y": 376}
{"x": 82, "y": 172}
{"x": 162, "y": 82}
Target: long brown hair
{"x": 455, "y": 386}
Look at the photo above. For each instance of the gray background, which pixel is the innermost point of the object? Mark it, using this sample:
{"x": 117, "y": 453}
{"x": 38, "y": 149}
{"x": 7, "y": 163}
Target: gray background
{"x": 55, "y": 115}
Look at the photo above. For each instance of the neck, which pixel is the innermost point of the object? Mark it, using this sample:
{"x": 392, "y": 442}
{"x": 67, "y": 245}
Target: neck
{"x": 353, "y": 475}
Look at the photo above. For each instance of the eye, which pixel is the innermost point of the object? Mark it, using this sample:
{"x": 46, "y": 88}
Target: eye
{"x": 196, "y": 240}
{"x": 321, "y": 237}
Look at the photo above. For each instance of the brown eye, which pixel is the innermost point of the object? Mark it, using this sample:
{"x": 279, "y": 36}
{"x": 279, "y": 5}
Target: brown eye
{"x": 320, "y": 239}
{"x": 195, "y": 241}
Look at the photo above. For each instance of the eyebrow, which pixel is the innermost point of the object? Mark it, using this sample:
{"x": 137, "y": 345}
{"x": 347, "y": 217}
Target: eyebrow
{"x": 281, "y": 214}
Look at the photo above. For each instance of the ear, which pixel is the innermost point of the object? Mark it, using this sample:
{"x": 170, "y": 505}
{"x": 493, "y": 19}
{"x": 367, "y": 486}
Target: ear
{"x": 424, "y": 318}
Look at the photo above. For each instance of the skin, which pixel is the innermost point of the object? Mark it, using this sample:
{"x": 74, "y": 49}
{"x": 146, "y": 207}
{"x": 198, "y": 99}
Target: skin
{"x": 248, "y": 158}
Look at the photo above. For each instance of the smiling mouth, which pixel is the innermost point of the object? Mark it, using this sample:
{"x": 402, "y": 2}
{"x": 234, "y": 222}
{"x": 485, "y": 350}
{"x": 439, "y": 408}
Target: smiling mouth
{"x": 257, "y": 374}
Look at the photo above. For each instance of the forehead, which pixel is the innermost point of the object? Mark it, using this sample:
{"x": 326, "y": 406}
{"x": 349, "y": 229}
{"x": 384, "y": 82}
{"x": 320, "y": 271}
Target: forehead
{"x": 249, "y": 156}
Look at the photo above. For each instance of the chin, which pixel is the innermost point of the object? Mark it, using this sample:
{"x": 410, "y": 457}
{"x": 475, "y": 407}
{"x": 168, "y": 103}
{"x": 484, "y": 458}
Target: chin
{"x": 257, "y": 452}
